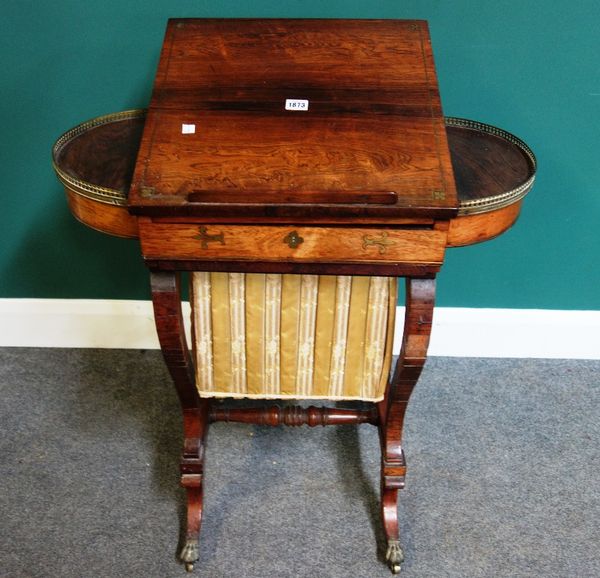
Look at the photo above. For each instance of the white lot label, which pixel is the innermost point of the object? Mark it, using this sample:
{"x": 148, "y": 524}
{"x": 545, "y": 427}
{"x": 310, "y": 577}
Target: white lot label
{"x": 296, "y": 104}
{"x": 188, "y": 129}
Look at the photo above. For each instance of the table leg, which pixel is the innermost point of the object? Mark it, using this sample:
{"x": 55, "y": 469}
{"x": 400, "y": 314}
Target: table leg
{"x": 166, "y": 298}
{"x": 195, "y": 425}
{"x": 420, "y": 299}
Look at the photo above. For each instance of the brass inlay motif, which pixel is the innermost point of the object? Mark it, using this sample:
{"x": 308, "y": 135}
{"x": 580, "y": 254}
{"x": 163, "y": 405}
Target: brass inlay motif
{"x": 205, "y": 238}
{"x": 382, "y": 242}
{"x": 438, "y": 195}
{"x": 147, "y": 191}
{"x": 293, "y": 239}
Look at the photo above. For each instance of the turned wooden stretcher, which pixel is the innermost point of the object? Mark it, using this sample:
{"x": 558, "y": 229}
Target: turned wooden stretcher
{"x": 295, "y": 168}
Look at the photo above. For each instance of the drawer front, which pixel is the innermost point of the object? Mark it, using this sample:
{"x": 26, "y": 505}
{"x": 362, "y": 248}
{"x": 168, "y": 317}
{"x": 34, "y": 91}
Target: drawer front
{"x": 288, "y": 243}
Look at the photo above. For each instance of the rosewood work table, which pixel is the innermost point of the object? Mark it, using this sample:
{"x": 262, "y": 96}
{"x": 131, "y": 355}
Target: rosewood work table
{"x": 295, "y": 168}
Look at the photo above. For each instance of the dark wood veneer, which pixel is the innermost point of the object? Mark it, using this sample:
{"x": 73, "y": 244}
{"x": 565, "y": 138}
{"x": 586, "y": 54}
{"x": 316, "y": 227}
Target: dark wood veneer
{"x": 105, "y": 154}
{"x": 485, "y": 164}
{"x": 372, "y": 122}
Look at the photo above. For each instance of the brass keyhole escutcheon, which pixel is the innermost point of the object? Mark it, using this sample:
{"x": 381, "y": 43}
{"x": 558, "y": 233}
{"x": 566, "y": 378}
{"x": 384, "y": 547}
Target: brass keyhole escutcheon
{"x": 293, "y": 239}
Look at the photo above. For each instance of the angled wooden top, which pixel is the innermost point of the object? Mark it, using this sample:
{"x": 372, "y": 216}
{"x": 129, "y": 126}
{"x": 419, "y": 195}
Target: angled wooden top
{"x": 309, "y": 119}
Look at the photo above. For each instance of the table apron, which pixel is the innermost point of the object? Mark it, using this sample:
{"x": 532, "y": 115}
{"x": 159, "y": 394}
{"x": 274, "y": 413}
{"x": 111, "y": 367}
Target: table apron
{"x": 290, "y": 244}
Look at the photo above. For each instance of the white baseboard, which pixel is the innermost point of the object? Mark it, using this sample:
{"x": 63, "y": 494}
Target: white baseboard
{"x": 534, "y": 333}
{"x": 457, "y": 332}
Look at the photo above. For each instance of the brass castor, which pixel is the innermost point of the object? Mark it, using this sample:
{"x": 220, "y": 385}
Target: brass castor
{"x": 394, "y": 556}
{"x": 189, "y": 554}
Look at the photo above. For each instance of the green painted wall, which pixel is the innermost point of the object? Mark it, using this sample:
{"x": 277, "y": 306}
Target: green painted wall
{"x": 529, "y": 67}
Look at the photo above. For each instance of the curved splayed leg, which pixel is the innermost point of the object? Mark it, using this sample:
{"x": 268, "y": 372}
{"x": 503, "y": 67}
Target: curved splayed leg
{"x": 420, "y": 300}
{"x": 166, "y": 299}
{"x": 192, "y": 462}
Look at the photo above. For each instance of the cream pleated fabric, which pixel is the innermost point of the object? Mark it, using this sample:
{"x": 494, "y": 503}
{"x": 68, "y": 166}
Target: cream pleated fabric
{"x": 292, "y": 336}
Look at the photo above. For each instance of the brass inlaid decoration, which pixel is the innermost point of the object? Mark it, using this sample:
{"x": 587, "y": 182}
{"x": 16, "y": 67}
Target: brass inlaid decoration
{"x": 293, "y": 239}
{"x": 381, "y": 242}
{"x": 205, "y": 238}
{"x": 146, "y": 191}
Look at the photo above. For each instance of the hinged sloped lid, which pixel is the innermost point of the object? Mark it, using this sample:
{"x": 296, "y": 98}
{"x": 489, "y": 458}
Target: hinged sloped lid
{"x": 308, "y": 119}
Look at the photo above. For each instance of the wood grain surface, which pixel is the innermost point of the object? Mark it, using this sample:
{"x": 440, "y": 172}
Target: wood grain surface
{"x": 471, "y": 229}
{"x": 485, "y": 165}
{"x": 373, "y": 122}
{"x": 104, "y": 155}
{"x": 111, "y": 219}
{"x": 271, "y": 243}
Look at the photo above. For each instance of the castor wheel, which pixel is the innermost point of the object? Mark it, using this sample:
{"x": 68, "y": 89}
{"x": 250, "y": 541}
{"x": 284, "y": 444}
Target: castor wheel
{"x": 189, "y": 554}
{"x": 394, "y": 556}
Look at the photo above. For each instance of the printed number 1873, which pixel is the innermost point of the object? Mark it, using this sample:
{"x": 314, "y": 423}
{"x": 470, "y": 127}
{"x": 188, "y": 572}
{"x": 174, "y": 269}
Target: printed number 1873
{"x": 296, "y": 104}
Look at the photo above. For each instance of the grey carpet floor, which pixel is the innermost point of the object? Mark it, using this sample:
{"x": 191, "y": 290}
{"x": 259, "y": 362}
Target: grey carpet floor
{"x": 503, "y": 476}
